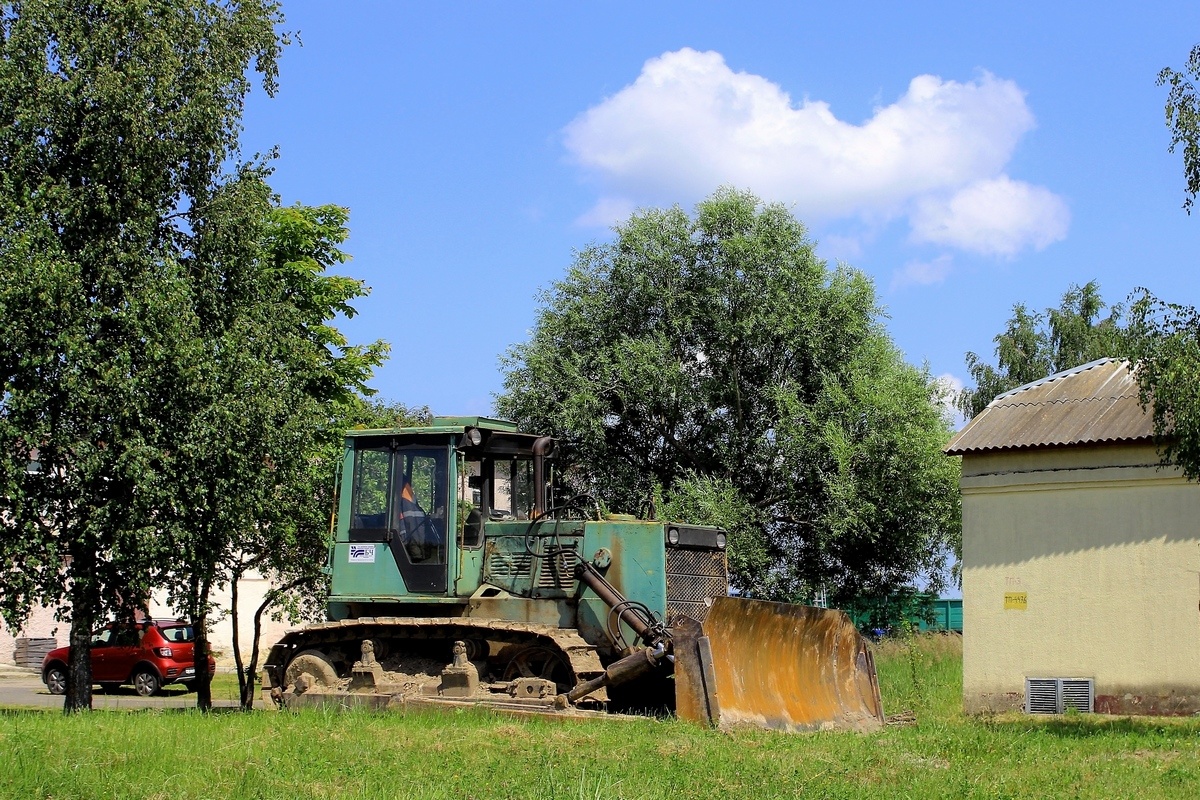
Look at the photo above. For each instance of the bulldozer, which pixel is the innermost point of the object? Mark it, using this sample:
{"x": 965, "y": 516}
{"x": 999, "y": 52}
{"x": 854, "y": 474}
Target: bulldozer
{"x": 457, "y": 577}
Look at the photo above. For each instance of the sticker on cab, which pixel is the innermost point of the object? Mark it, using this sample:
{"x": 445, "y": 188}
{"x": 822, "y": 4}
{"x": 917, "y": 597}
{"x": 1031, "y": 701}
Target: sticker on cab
{"x": 362, "y": 554}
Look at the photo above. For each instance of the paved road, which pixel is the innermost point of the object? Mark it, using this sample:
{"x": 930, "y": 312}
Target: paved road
{"x": 27, "y": 691}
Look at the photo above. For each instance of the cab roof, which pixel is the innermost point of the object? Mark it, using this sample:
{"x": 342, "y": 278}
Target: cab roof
{"x": 444, "y": 425}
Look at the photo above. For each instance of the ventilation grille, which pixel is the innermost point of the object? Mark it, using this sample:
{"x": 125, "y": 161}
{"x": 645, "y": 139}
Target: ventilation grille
{"x": 1079, "y": 694}
{"x": 694, "y": 577}
{"x": 503, "y": 564}
{"x": 516, "y": 569}
{"x": 558, "y": 571}
{"x": 1056, "y": 695}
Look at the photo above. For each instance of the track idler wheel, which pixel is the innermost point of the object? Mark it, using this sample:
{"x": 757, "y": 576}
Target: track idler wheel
{"x": 310, "y": 669}
{"x": 536, "y": 661}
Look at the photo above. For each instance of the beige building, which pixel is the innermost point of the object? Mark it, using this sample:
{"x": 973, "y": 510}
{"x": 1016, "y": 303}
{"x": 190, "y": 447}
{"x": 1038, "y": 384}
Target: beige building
{"x": 1081, "y": 556}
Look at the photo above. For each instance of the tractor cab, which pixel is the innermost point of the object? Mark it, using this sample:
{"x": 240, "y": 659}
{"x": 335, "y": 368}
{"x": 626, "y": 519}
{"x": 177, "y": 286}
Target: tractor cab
{"x": 412, "y": 500}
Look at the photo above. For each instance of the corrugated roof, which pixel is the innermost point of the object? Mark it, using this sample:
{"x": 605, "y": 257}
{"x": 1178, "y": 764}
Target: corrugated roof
{"x": 1097, "y": 402}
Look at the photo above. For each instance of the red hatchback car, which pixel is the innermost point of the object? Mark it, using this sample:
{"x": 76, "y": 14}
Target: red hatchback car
{"x": 147, "y": 655}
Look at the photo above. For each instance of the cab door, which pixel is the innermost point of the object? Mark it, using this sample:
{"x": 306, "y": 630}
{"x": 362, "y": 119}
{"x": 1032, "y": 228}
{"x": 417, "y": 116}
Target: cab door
{"x": 419, "y": 518}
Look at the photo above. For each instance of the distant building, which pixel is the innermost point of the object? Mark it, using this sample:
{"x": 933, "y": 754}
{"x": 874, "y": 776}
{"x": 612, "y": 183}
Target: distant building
{"x": 41, "y": 624}
{"x": 40, "y": 627}
{"x": 1081, "y": 556}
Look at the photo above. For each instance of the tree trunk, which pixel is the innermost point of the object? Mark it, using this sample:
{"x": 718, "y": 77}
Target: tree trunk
{"x": 252, "y": 667}
{"x": 234, "y": 577}
{"x": 83, "y": 619}
{"x": 200, "y": 590}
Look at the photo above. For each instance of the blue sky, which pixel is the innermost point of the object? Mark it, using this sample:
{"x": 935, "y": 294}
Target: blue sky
{"x": 965, "y": 159}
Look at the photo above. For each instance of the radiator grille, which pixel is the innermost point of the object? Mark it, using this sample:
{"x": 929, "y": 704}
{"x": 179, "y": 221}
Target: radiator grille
{"x": 695, "y": 588}
{"x": 694, "y": 577}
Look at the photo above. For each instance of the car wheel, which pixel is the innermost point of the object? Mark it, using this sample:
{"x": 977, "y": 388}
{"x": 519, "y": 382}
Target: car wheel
{"x": 56, "y": 680}
{"x": 146, "y": 682}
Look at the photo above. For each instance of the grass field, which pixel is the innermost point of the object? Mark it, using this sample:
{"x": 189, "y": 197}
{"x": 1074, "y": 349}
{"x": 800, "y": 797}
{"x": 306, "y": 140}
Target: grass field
{"x": 478, "y": 755}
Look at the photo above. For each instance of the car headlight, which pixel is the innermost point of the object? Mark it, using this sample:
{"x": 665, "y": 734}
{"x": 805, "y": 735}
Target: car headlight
{"x": 672, "y": 535}
{"x": 721, "y": 541}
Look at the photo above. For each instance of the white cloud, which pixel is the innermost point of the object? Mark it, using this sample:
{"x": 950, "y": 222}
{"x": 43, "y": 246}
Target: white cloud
{"x": 840, "y": 248}
{"x": 996, "y": 217}
{"x": 606, "y": 212}
{"x": 951, "y": 387}
{"x": 923, "y": 273}
{"x": 689, "y": 124}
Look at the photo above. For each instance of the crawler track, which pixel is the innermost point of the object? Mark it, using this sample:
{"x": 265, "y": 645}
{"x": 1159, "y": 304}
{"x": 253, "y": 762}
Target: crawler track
{"x": 342, "y": 640}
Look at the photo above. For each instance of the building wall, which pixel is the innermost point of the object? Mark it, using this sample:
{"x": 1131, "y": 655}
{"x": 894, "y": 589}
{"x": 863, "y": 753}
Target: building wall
{"x": 1105, "y": 548}
{"x": 40, "y": 625}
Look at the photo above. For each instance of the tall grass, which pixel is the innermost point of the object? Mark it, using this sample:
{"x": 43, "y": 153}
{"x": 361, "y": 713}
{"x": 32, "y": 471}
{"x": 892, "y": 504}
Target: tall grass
{"x": 474, "y": 754}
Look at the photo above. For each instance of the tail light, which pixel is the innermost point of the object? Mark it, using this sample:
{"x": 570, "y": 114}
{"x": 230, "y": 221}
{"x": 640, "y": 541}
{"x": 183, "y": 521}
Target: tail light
{"x": 163, "y": 652}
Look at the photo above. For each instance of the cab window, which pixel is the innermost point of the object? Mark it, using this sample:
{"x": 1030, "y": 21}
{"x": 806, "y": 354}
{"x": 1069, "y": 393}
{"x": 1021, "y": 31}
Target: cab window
{"x": 372, "y": 482}
{"x": 513, "y": 489}
{"x": 470, "y": 502}
{"x": 420, "y": 507}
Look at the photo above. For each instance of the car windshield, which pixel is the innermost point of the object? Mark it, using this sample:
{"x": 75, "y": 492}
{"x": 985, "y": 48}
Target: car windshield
{"x": 177, "y": 633}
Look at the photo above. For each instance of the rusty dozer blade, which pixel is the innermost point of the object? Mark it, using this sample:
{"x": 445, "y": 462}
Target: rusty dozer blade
{"x": 775, "y": 665}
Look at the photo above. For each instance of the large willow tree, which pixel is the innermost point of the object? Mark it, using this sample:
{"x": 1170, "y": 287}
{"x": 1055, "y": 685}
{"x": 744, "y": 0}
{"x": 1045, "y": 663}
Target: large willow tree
{"x": 711, "y": 367}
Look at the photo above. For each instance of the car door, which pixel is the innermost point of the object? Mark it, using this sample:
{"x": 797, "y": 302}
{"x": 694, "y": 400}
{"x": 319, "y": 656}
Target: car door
{"x": 124, "y": 653}
{"x": 102, "y": 648}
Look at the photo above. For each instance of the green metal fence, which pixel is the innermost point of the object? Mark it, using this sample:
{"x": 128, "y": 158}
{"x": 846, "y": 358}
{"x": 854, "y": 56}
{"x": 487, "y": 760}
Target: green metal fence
{"x": 923, "y": 612}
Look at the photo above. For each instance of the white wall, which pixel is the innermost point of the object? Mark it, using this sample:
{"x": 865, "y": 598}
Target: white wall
{"x": 41, "y": 624}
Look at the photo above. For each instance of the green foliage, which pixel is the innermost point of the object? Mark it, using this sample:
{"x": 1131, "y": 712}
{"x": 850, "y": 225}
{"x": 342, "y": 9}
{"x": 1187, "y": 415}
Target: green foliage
{"x": 375, "y": 413}
{"x": 1168, "y": 343}
{"x": 1166, "y": 347}
{"x": 1183, "y": 118}
{"x": 714, "y": 361}
{"x": 1033, "y": 345}
{"x": 115, "y": 121}
{"x": 273, "y": 385}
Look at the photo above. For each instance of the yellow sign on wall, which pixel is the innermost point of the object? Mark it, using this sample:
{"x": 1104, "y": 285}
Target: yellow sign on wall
{"x": 1016, "y": 600}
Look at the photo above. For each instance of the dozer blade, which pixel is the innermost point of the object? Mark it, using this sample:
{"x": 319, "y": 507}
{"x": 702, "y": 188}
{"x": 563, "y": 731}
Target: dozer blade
{"x": 775, "y": 665}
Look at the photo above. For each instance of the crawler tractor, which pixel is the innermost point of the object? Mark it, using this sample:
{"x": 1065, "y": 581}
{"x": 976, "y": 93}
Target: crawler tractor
{"x": 458, "y": 578}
